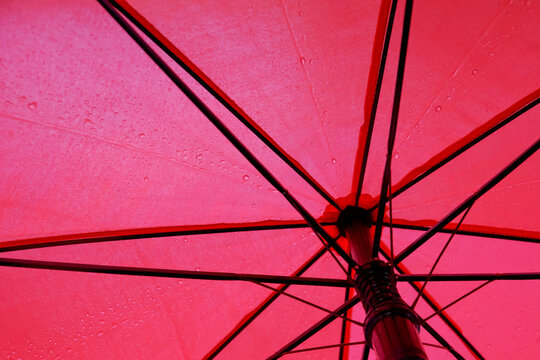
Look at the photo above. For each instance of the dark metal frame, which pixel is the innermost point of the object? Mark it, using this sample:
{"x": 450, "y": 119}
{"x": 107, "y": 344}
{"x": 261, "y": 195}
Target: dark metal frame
{"x": 152, "y": 233}
{"x": 527, "y": 103}
{"x": 393, "y": 125}
{"x": 171, "y": 273}
{"x": 373, "y": 110}
{"x": 468, "y": 202}
{"x": 485, "y": 234}
{"x": 209, "y": 114}
{"x": 228, "y": 103}
{"x": 120, "y": 15}
{"x": 244, "y": 323}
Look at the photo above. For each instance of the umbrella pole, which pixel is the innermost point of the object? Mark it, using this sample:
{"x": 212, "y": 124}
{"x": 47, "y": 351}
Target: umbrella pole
{"x": 391, "y": 326}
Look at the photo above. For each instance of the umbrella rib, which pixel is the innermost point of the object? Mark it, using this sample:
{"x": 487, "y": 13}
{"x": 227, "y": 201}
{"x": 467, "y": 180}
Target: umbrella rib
{"x": 439, "y": 258}
{"x": 523, "y": 109}
{"x": 435, "y": 346}
{"x": 309, "y": 303}
{"x": 340, "y": 345}
{"x": 170, "y": 273}
{"x": 469, "y": 201}
{"x": 391, "y": 227}
{"x": 376, "y": 95}
{"x": 334, "y": 256}
{"x": 465, "y": 232}
{"x": 443, "y": 316}
{"x": 442, "y": 341}
{"x": 470, "y": 277}
{"x": 316, "y": 327}
{"x": 225, "y": 131}
{"x": 393, "y": 125}
{"x": 170, "y": 49}
{"x": 343, "y": 335}
{"x": 365, "y": 352}
{"x": 148, "y": 233}
{"x": 458, "y": 299}
{"x": 255, "y": 314}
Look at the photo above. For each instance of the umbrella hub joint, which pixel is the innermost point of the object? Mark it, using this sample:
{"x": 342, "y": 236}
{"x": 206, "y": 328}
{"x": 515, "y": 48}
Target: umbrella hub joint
{"x": 353, "y": 214}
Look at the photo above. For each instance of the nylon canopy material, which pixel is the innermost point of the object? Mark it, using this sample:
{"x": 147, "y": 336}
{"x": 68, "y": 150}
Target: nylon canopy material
{"x": 106, "y": 162}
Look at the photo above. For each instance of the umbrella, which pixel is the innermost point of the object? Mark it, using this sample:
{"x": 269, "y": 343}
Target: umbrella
{"x": 186, "y": 238}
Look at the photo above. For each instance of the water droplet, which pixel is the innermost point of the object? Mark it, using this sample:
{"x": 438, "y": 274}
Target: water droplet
{"x": 396, "y": 155}
{"x": 146, "y": 178}
{"x": 300, "y": 13}
{"x": 101, "y": 333}
{"x": 491, "y": 54}
{"x": 32, "y": 105}
{"x": 253, "y": 205}
{"x": 88, "y": 122}
{"x": 324, "y": 91}
{"x": 438, "y": 108}
{"x": 325, "y": 112}
{"x": 303, "y": 60}
{"x": 142, "y": 135}
{"x": 245, "y": 177}
{"x": 475, "y": 71}
{"x": 198, "y": 157}
{"x": 197, "y": 269}
{"x": 334, "y": 161}
{"x": 311, "y": 61}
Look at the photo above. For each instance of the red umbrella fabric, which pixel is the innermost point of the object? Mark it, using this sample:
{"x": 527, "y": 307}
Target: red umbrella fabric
{"x": 106, "y": 162}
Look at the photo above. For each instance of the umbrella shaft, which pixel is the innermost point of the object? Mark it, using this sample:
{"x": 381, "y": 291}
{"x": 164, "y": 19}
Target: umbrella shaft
{"x": 360, "y": 242}
{"x": 391, "y": 326}
{"x": 396, "y": 338}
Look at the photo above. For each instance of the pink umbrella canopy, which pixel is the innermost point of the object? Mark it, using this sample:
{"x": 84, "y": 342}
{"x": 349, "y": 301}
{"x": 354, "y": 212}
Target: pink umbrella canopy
{"x": 185, "y": 238}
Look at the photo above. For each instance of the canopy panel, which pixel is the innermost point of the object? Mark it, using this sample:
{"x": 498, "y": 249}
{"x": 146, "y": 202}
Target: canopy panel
{"x": 97, "y": 146}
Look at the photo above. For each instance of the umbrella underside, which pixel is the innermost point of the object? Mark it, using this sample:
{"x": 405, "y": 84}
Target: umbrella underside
{"x": 172, "y": 231}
